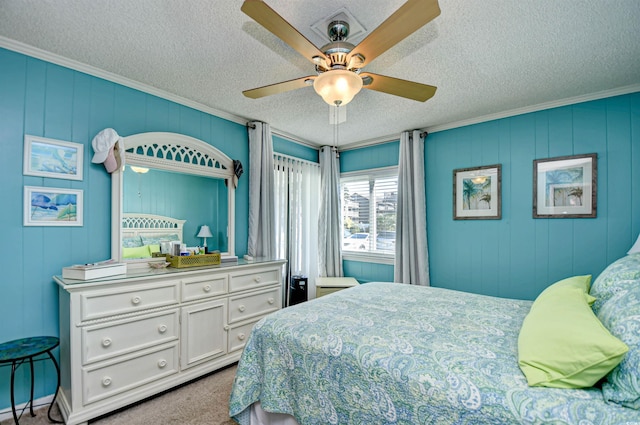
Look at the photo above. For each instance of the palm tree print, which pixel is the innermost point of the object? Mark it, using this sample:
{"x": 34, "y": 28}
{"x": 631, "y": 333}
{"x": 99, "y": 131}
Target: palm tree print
{"x": 475, "y": 194}
{"x": 577, "y": 193}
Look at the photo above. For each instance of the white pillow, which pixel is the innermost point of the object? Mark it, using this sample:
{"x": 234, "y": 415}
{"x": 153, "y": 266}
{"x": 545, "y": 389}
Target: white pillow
{"x": 635, "y": 248}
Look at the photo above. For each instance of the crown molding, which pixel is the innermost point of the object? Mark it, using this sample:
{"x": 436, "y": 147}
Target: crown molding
{"x": 539, "y": 107}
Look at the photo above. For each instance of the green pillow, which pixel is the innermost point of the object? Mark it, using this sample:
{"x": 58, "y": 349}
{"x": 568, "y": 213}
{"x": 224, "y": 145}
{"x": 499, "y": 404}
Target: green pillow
{"x": 137, "y": 252}
{"x": 562, "y": 344}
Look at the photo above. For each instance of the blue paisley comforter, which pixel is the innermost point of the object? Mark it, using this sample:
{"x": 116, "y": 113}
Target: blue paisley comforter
{"x": 384, "y": 353}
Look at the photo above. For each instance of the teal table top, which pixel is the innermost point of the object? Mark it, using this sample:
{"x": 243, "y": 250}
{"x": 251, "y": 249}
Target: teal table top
{"x": 24, "y": 348}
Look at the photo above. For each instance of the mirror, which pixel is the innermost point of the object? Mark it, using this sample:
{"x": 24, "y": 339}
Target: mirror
{"x": 196, "y": 199}
{"x": 175, "y": 176}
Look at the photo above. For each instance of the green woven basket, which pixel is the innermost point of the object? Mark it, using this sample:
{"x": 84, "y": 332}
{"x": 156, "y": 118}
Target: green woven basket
{"x": 193, "y": 260}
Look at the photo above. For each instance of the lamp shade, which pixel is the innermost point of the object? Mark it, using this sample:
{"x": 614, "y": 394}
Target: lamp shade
{"x": 204, "y": 232}
{"x": 337, "y": 86}
{"x": 139, "y": 170}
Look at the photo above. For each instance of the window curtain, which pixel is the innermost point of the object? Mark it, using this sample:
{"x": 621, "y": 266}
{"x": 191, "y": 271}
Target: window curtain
{"x": 297, "y": 183}
{"x": 329, "y": 226}
{"x": 412, "y": 256}
{"x": 262, "y": 239}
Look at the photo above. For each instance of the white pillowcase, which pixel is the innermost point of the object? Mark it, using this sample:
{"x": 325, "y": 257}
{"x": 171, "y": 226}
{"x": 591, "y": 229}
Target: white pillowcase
{"x": 636, "y": 247}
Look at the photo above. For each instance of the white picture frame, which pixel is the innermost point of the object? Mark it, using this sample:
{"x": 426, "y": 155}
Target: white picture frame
{"x": 52, "y": 206}
{"x": 52, "y": 158}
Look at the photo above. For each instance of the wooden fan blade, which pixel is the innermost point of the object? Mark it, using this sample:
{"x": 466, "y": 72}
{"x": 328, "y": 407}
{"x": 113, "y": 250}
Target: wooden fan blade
{"x": 279, "y": 87}
{"x": 260, "y": 12}
{"x": 405, "y": 21}
{"x": 398, "y": 87}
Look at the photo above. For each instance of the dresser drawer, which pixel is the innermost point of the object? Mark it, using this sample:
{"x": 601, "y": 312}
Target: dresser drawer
{"x": 244, "y": 307}
{"x": 203, "y": 287}
{"x": 239, "y": 335}
{"x": 239, "y": 281}
{"x": 94, "y": 305}
{"x": 128, "y": 373}
{"x": 102, "y": 342}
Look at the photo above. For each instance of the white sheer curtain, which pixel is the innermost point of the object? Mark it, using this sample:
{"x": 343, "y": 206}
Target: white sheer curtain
{"x": 297, "y": 183}
{"x": 262, "y": 241}
{"x": 412, "y": 256}
{"x": 329, "y": 226}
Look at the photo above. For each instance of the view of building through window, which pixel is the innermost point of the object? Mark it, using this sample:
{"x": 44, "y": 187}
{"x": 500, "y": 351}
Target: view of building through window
{"x": 369, "y": 213}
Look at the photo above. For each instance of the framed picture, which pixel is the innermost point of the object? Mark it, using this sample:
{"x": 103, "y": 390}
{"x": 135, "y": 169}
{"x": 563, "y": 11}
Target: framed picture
{"x": 476, "y": 193}
{"x": 52, "y": 158}
{"x": 565, "y": 187}
{"x": 50, "y": 206}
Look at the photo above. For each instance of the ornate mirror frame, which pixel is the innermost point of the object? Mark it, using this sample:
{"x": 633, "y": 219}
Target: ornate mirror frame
{"x": 170, "y": 152}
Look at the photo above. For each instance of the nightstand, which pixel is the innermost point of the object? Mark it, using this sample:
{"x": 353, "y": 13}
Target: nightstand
{"x": 327, "y": 285}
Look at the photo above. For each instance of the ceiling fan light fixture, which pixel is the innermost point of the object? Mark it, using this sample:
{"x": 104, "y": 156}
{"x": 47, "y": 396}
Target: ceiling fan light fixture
{"x": 337, "y": 87}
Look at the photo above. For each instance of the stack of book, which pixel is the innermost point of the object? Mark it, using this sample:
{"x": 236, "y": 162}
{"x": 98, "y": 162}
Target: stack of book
{"x": 94, "y": 270}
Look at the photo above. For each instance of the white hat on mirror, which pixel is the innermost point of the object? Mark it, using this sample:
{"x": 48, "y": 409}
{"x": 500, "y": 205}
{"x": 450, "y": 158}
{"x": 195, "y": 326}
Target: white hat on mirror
{"x": 104, "y": 144}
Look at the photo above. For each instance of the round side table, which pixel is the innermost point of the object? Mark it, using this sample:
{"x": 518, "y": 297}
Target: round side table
{"x": 17, "y": 352}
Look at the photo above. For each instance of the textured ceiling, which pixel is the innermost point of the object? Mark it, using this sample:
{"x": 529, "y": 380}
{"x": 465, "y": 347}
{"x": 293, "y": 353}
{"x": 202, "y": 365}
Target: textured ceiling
{"x": 486, "y": 57}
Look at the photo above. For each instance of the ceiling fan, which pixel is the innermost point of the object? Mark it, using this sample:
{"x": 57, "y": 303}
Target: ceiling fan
{"x": 339, "y": 64}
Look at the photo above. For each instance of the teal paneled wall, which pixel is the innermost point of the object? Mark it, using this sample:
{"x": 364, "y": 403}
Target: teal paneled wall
{"x": 519, "y": 256}
{"x": 290, "y": 148}
{"x": 377, "y": 156}
{"x": 47, "y": 100}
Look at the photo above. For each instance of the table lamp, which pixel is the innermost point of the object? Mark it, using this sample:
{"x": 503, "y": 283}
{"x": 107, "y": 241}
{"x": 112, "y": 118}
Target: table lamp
{"x": 204, "y": 233}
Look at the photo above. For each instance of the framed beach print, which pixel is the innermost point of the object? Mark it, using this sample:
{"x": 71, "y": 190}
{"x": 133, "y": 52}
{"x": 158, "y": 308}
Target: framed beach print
{"x": 565, "y": 187}
{"x": 50, "y": 206}
{"x": 52, "y": 158}
{"x": 476, "y": 193}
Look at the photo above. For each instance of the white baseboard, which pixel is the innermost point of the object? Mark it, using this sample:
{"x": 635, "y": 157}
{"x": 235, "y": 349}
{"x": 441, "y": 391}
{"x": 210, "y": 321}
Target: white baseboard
{"x": 38, "y": 404}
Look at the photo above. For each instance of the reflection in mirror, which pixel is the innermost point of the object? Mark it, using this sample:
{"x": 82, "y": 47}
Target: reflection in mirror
{"x": 196, "y": 199}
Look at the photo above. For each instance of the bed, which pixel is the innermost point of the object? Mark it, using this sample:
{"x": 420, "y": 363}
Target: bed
{"x": 384, "y": 353}
{"x": 143, "y": 233}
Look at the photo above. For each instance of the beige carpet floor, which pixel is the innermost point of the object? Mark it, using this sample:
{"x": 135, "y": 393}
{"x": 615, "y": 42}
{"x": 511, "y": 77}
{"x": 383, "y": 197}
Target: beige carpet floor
{"x": 201, "y": 402}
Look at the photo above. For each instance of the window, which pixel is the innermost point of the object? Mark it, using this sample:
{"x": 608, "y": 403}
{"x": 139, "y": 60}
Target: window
{"x": 369, "y": 201}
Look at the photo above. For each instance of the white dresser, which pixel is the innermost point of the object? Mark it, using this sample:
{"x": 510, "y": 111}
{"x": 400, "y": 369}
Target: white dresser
{"x": 126, "y": 338}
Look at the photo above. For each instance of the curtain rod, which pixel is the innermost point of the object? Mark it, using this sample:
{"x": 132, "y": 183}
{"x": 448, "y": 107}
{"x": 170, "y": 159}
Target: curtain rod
{"x": 422, "y": 135}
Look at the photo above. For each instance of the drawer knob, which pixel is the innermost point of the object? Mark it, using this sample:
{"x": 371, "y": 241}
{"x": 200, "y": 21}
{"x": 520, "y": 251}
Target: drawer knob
{"x": 162, "y": 363}
{"x": 162, "y": 328}
{"x": 106, "y": 381}
{"x": 136, "y": 300}
{"x": 241, "y": 336}
{"x": 106, "y": 342}
{"x": 241, "y": 308}
{"x": 207, "y": 288}
{"x": 257, "y": 279}
{"x": 271, "y": 300}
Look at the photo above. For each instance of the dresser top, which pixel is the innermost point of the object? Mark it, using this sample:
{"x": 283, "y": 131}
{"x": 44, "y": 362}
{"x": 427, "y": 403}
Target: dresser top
{"x": 146, "y": 273}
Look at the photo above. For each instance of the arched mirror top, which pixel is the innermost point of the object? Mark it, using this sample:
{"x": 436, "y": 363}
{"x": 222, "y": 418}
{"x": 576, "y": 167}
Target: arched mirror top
{"x": 175, "y": 153}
